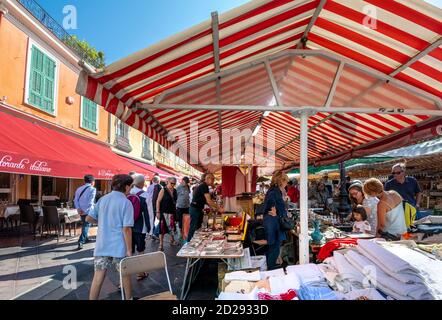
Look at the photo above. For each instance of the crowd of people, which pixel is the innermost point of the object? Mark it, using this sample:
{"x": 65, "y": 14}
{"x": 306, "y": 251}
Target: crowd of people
{"x": 135, "y": 212}
{"x": 377, "y": 208}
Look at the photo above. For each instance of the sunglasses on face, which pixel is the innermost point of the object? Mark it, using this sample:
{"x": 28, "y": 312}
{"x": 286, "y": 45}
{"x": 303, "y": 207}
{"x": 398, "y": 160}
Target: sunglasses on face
{"x": 395, "y": 173}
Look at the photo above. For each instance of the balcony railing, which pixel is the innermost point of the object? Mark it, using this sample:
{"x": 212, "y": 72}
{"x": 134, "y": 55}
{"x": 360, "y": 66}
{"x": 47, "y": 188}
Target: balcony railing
{"x": 57, "y": 30}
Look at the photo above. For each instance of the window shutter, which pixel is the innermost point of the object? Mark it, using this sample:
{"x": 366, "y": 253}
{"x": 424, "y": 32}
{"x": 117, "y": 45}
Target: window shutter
{"x": 37, "y": 78}
{"x": 49, "y": 73}
{"x": 89, "y": 120}
{"x": 84, "y": 120}
{"x": 93, "y": 121}
{"x": 42, "y": 81}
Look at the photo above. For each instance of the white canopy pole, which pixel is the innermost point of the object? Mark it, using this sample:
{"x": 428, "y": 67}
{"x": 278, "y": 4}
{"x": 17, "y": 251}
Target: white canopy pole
{"x": 303, "y": 169}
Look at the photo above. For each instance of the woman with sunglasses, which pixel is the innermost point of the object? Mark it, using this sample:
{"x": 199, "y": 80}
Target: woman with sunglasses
{"x": 166, "y": 210}
{"x": 370, "y": 204}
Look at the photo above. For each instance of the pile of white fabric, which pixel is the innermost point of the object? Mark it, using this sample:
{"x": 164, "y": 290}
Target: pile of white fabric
{"x": 397, "y": 270}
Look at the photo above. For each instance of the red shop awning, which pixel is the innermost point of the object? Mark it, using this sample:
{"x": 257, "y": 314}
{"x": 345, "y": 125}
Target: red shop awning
{"x": 147, "y": 167}
{"x": 30, "y": 146}
{"x": 170, "y": 170}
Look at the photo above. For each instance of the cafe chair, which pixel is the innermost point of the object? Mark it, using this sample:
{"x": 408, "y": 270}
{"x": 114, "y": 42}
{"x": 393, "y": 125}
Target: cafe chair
{"x": 259, "y": 242}
{"x": 24, "y": 201}
{"x": 148, "y": 262}
{"x": 51, "y": 220}
{"x": 256, "y": 238}
{"x": 51, "y": 203}
{"x": 27, "y": 215}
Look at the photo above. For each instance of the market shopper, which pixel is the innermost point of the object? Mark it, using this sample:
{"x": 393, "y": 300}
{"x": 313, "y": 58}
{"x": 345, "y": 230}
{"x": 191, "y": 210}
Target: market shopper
{"x": 151, "y": 196}
{"x": 84, "y": 202}
{"x": 201, "y": 197}
{"x": 321, "y": 194}
{"x": 361, "y": 225}
{"x": 142, "y": 224}
{"x": 406, "y": 186}
{"x": 328, "y": 183}
{"x": 114, "y": 215}
{"x": 166, "y": 211}
{"x": 183, "y": 201}
{"x": 370, "y": 204}
{"x": 391, "y": 217}
{"x": 293, "y": 191}
{"x": 274, "y": 209}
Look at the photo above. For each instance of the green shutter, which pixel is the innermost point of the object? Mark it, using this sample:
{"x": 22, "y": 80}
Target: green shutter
{"x": 42, "y": 81}
{"x": 89, "y": 120}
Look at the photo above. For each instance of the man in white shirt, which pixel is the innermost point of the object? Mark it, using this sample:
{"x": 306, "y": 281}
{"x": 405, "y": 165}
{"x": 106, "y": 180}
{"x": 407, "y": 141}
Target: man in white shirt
{"x": 114, "y": 215}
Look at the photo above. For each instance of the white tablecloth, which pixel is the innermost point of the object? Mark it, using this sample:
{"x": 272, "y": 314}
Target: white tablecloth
{"x": 15, "y": 210}
{"x": 11, "y": 211}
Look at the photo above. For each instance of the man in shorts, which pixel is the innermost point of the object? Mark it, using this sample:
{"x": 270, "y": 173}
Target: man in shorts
{"x": 114, "y": 215}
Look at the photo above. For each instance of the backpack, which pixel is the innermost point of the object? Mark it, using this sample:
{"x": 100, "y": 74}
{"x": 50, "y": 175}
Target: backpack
{"x": 136, "y": 203}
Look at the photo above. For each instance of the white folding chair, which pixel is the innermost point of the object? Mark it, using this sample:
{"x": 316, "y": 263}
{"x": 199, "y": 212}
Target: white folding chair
{"x": 146, "y": 263}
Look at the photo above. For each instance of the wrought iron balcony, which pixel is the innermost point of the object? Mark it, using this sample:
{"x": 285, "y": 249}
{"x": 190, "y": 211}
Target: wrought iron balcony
{"x": 56, "y": 29}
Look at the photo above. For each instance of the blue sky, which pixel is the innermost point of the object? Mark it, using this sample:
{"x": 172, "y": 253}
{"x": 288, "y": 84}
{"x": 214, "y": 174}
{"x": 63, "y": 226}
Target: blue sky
{"x": 120, "y": 28}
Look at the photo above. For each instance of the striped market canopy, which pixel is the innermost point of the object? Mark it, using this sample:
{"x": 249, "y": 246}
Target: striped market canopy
{"x": 369, "y": 73}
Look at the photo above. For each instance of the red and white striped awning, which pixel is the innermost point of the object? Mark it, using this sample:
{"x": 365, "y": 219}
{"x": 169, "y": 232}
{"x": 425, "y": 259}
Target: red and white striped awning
{"x": 368, "y": 62}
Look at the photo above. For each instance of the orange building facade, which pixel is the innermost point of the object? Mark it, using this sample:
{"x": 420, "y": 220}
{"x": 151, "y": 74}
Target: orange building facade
{"x": 38, "y": 77}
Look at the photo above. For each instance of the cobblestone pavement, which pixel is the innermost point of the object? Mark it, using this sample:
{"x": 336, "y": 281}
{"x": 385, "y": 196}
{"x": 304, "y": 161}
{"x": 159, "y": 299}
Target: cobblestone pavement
{"x": 34, "y": 269}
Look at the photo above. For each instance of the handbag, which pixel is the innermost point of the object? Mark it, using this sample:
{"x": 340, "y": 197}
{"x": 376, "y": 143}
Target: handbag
{"x": 156, "y": 229}
{"x": 286, "y": 224}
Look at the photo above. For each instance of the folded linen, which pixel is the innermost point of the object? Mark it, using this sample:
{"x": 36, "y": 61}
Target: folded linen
{"x": 429, "y": 220}
{"x": 389, "y": 263}
{"x": 272, "y": 273}
{"x": 243, "y": 275}
{"x": 406, "y": 276}
{"x": 316, "y": 291}
{"x": 306, "y": 273}
{"x": 346, "y": 270}
{"x": 429, "y": 268}
{"x": 389, "y": 285}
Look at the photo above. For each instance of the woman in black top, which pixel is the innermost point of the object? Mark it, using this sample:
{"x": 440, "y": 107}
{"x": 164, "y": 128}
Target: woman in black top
{"x": 166, "y": 209}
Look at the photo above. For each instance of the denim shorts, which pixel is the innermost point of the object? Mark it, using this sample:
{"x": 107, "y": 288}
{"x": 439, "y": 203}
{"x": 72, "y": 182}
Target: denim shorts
{"x": 106, "y": 263}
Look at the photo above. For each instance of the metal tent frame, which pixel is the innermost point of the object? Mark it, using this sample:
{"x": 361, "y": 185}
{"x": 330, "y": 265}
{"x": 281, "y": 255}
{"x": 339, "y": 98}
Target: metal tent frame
{"x": 302, "y": 112}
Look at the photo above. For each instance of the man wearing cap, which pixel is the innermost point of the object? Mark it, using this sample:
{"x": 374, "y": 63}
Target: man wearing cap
{"x": 183, "y": 201}
{"x": 84, "y": 202}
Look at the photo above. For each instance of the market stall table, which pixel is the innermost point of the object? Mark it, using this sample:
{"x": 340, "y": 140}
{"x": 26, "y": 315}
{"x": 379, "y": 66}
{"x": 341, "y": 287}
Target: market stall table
{"x": 204, "y": 246}
{"x": 330, "y": 233}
